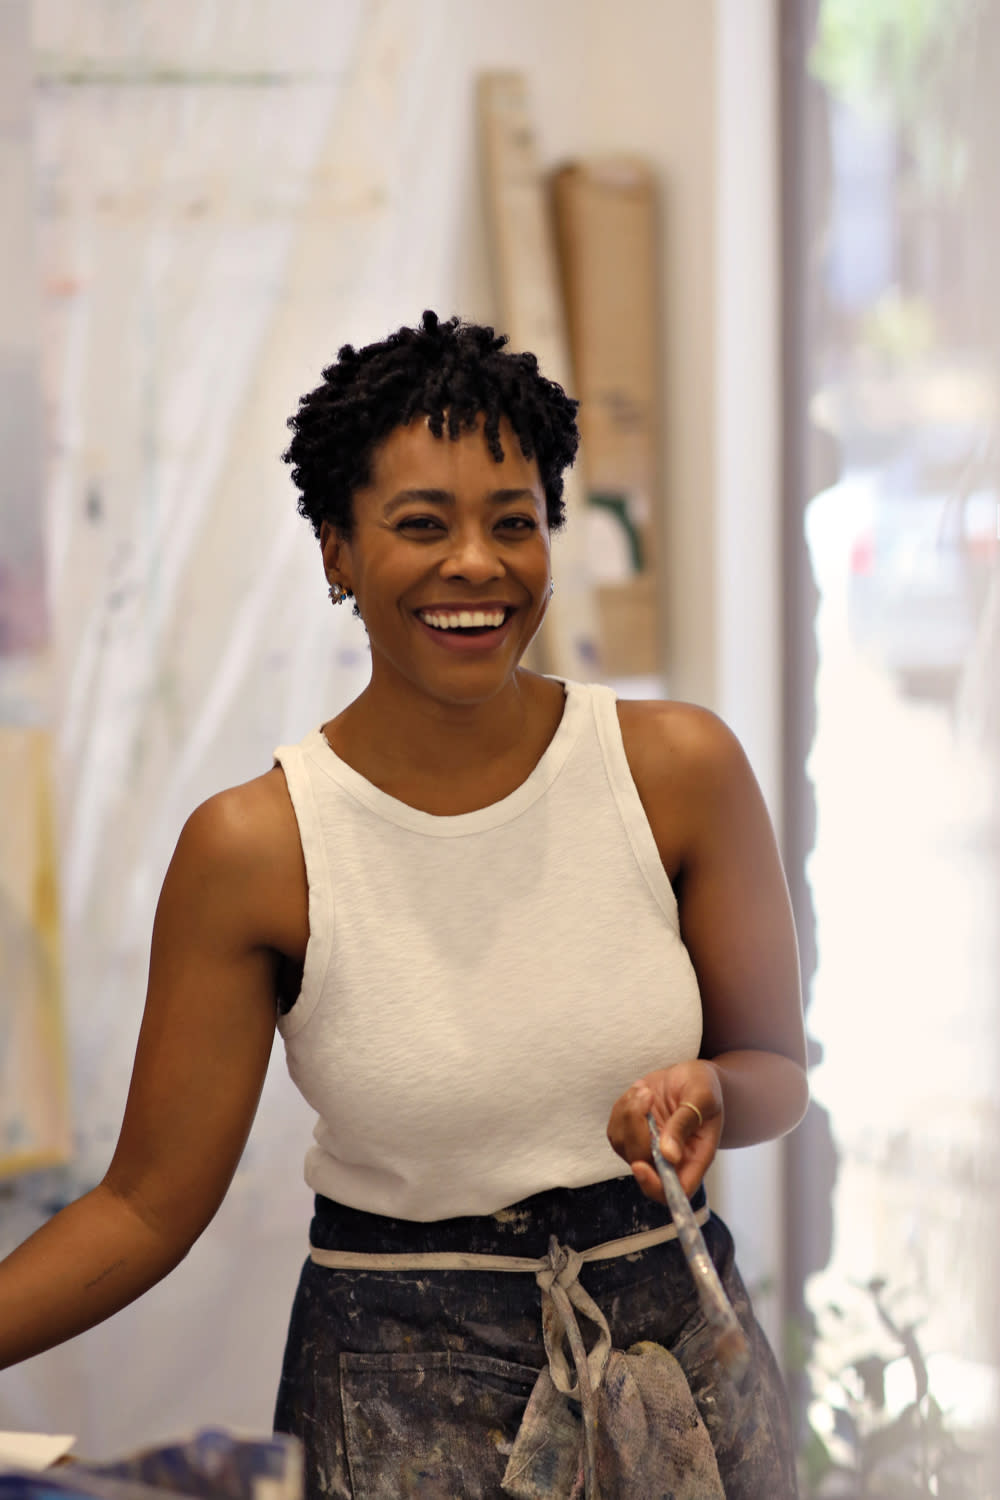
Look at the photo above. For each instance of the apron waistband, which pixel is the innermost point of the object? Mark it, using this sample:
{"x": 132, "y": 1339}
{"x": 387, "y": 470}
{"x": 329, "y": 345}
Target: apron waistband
{"x": 456, "y": 1260}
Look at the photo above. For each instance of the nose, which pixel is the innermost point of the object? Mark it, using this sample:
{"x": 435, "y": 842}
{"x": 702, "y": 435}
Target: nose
{"x": 473, "y": 556}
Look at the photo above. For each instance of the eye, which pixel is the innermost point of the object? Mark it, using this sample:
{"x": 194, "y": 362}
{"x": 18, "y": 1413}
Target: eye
{"x": 425, "y": 524}
{"x": 518, "y": 523}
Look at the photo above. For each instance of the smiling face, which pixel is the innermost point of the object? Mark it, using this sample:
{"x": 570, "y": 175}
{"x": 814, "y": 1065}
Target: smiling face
{"x": 448, "y": 561}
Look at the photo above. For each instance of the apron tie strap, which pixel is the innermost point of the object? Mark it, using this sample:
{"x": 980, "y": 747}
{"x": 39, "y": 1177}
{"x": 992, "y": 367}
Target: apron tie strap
{"x": 562, "y": 1298}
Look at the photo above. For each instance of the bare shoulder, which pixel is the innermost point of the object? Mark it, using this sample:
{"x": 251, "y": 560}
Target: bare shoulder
{"x": 239, "y": 853}
{"x": 688, "y": 767}
{"x": 671, "y": 726}
{"x": 678, "y": 742}
{"x": 249, "y": 821}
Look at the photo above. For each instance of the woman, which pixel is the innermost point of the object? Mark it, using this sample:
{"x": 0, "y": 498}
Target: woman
{"x": 501, "y": 919}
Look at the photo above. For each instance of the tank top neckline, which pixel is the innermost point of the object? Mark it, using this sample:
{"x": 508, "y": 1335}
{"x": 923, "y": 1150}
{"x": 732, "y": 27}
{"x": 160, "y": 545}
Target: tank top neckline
{"x": 452, "y": 825}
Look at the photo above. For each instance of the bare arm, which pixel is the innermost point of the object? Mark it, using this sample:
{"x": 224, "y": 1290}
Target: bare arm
{"x": 711, "y": 824}
{"x": 200, "y": 1064}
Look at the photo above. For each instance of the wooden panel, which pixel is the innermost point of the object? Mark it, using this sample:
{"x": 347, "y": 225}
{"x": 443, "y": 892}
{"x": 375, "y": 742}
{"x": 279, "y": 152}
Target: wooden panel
{"x": 530, "y": 302}
{"x": 606, "y": 215}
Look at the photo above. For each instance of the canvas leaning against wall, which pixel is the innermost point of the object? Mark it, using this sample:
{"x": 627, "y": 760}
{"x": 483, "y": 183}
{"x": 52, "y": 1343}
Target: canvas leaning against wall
{"x": 34, "y": 1107}
{"x": 34, "y": 1122}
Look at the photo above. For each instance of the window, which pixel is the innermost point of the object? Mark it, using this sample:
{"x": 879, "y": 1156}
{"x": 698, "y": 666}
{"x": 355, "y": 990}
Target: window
{"x": 891, "y": 231}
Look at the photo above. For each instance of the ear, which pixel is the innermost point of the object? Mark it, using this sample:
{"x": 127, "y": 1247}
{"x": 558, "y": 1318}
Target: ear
{"x": 336, "y": 555}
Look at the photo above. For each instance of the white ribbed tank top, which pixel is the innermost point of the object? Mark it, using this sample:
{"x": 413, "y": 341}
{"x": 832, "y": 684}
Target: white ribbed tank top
{"x": 479, "y": 989}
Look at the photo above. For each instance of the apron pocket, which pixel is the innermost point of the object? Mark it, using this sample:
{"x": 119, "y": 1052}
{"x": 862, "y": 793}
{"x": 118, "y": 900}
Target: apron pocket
{"x": 438, "y": 1425}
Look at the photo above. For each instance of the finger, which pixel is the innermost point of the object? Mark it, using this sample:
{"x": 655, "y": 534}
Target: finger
{"x": 691, "y": 1171}
{"x": 683, "y": 1125}
{"x": 698, "y": 1157}
{"x": 628, "y": 1132}
{"x": 638, "y": 1099}
{"x": 648, "y": 1180}
{"x": 630, "y": 1147}
{"x": 690, "y": 1178}
{"x": 643, "y": 1095}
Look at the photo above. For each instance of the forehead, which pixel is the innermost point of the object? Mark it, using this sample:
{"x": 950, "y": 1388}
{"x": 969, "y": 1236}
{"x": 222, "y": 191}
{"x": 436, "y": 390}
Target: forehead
{"x": 411, "y": 457}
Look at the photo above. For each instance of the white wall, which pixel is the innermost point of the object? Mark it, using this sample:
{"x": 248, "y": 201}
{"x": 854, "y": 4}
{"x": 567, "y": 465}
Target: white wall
{"x": 746, "y": 634}
{"x": 372, "y": 213}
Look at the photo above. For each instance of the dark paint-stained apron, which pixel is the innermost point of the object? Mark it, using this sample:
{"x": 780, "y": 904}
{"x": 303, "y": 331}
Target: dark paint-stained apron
{"x": 416, "y": 1383}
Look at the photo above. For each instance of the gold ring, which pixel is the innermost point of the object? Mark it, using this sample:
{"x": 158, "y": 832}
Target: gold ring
{"x": 685, "y": 1104}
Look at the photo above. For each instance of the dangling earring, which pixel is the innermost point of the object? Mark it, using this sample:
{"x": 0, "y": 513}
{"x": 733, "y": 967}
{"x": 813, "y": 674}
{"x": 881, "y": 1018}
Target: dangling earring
{"x": 552, "y": 587}
{"x": 338, "y": 593}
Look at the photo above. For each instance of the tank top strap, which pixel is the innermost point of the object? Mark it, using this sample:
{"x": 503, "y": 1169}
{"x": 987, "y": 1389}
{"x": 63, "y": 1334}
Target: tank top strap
{"x": 626, "y": 795}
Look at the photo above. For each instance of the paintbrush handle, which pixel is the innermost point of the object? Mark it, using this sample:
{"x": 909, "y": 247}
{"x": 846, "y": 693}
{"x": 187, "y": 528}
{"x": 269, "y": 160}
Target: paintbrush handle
{"x": 731, "y": 1345}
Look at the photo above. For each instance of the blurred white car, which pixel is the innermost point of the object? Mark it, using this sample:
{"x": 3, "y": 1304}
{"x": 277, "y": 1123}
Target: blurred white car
{"x": 918, "y": 576}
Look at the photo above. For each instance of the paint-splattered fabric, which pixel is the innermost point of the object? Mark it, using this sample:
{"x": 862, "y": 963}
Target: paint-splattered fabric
{"x": 650, "y": 1438}
{"x": 601, "y": 1421}
{"x": 417, "y": 1383}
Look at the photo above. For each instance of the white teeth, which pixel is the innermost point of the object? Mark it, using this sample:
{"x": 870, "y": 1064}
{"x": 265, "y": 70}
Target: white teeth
{"x": 464, "y": 619}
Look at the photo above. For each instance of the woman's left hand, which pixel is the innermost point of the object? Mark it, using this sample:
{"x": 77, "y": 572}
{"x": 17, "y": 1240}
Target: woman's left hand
{"x": 686, "y": 1103}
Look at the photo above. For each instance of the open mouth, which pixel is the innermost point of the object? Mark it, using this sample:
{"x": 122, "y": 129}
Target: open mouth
{"x": 465, "y": 621}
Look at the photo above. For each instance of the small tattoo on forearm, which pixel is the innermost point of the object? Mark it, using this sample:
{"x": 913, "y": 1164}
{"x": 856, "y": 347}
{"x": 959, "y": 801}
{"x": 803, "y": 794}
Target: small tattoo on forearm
{"x": 116, "y": 1266}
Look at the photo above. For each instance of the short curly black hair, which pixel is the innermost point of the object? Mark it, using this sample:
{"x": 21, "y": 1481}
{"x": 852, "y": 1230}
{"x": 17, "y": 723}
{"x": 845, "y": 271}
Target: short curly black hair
{"x": 454, "y": 369}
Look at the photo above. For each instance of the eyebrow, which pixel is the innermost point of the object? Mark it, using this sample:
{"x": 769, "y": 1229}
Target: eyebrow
{"x": 446, "y": 497}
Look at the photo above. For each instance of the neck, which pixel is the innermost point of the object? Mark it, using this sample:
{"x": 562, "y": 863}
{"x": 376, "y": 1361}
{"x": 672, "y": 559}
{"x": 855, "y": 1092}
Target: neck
{"x": 399, "y": 732}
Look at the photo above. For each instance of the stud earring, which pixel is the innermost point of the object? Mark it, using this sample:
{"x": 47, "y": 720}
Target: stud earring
{"x": 338, "y": 593}
{"x": 552, "y": 587}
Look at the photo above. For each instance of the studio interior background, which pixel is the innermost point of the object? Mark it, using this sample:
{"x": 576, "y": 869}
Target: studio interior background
{"x": 202, "y": 201}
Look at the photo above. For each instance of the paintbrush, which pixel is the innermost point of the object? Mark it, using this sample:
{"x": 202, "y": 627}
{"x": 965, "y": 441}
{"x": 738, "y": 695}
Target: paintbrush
{"x": 731, "y": 1349}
